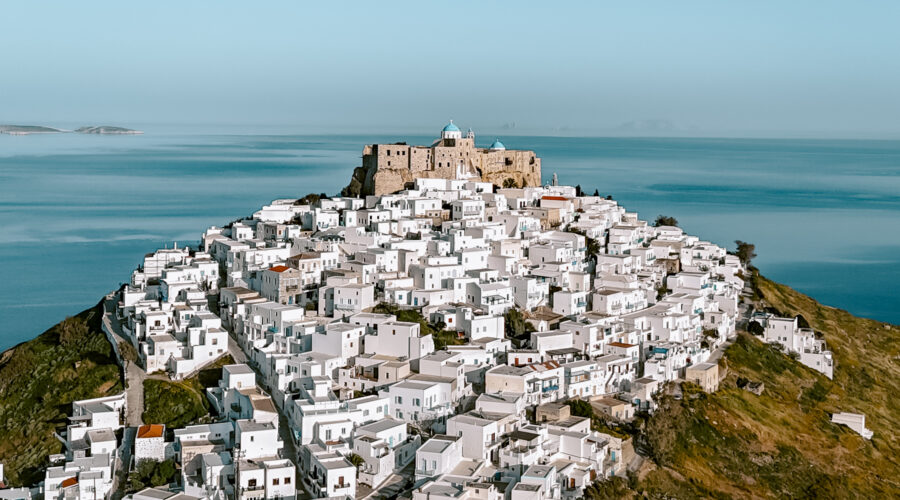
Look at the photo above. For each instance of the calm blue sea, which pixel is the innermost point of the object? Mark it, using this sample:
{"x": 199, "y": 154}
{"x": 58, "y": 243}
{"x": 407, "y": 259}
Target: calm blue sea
{"x": 79, "y": 211}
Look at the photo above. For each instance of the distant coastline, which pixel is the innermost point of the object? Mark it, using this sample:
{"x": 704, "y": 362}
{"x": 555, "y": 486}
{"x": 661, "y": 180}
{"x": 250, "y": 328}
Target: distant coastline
{"x": 39, "y": 129}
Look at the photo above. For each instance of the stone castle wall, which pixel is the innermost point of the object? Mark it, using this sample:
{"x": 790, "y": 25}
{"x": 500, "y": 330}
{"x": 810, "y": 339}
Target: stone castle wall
{"x": 388, "y": 168}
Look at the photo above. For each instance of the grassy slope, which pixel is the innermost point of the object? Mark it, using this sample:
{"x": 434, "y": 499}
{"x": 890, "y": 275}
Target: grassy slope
{"x": 180, "y": 403}
{"x": 39, "y": 379}
{"x": 734, "y": 444}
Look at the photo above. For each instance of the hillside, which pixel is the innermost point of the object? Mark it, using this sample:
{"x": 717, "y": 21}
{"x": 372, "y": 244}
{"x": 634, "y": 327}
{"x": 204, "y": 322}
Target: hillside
{"x": 39, "y": 379}
{"x": 177, "y": 403}
{"x": 735, "y": 444}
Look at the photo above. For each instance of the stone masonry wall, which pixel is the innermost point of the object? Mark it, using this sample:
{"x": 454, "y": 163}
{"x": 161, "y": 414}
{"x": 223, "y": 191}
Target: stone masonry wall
{"x": 388, "y": 168}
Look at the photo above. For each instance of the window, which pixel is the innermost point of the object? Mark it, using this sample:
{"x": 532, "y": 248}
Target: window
{"x": 275, "y": 481}
{"x": 287, "y": 480}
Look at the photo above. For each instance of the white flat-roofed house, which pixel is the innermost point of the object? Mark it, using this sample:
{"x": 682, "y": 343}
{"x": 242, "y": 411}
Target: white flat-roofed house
{"x": 583, "y": 379}
{"x": 552, "y": 340}
{"x": 279, "y": 211}
{"x": 613, "y": 302}
{"x": 371, "y": 372}
{"x": 263, "y": 320}
{"x": 486, "y": 326}
{"x": 813, "y": 351}
{"x": 265, "y": 478}
{"x": 432, "y": 277}
{"x": 385, "y": 447}
{"x": 569, "y": 303}
{"x": 342, "y": 340}
{"x": 467, "y": 210}
{"x": 324, "y": 219}
{"x": 327, "y": 474}
{"x": 481, "y": 433}
{"x": 624, "y": 237}
{"x": 425, "y": 402}
{"x": 855, "y": 421}
{"x": 257, "y": 439}
{"x": 399, "y": 339}
{"x": 345, "y": 300}
{"x": 539, "y": 382}
{"x": 529, "y": 292}
{"x": 502, "y": 403}
{"x": 492, "y": 298}
{"x": 474, "y": 258}
{"x": 439, "y": 455}
{"x": 525, "y": 448}
{"x": 99, "y": 413}
{"x": 385, "y": 259}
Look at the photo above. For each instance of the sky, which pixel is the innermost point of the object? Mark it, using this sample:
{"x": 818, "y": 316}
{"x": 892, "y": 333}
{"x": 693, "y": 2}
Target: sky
{"x": 705, "y": 68}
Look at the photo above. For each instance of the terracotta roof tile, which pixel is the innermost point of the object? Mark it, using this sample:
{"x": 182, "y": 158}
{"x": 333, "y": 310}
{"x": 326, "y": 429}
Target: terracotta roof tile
{"x": 151, "y": 431}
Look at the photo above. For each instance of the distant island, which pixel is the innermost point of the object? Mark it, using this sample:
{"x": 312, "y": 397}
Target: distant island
{"x": 38, "y": 129}
{"x": 28, "y": 129}
{"x": 107, "y": 130}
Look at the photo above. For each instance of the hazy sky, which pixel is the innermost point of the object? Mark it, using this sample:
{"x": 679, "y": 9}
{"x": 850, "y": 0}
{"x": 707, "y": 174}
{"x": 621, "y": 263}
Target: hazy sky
{"x": 779, "y": 68}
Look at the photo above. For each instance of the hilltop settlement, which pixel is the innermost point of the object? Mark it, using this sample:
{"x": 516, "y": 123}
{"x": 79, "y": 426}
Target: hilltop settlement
{"x": 433, "y": 339}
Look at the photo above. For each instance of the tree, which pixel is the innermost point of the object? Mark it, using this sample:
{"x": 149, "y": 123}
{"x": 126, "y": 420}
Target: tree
{"x": 355, "y": 459}
{"x": 597, "y": 193}
{"x": 578, "y": 190}
{"x": 510, "y": 183}
{"x": 664, "y": 220}
{"x": 609, "y": 197}
{"x": 128, "y": 352}
{"x": 516, "y": 327}
{"x": 310, "y": 199}
{"x": 150, "y": 473}
{"x": 580, "y": 408}
{"x": 514, "y": 323}
{"x": 72, "y": 330}
{"x": 755, "y": 328}
{"x": 745, "y": 251}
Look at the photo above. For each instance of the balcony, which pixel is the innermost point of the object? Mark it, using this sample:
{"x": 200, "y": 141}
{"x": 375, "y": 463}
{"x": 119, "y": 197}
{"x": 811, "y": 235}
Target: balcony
{"x": 522, "y": 455}
{"x": 253, "y": 491}
{"x": 346, "y": 307}
{"x": 550, "y": 388}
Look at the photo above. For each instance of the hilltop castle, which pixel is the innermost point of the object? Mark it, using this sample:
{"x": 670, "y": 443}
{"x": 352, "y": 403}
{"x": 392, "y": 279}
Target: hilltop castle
{"x": 387, "y": 168}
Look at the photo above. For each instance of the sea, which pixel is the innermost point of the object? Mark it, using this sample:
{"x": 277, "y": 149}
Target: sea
{"x": 80, "y": 211}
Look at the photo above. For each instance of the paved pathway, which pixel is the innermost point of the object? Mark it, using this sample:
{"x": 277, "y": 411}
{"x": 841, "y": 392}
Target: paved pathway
{"x": 121, "y": 476}
{"x": 134, "y": 374}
